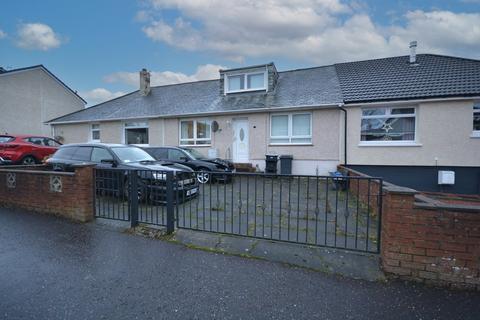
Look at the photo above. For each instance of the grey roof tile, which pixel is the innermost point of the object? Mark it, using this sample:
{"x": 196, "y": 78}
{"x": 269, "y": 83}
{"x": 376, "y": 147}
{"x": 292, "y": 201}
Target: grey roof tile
{"x": 314, "y": 86}
{"x": 396, "y": 79}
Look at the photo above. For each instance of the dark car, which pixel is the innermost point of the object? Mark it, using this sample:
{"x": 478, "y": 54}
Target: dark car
{"x": 209, "y": 170}
{"x": 26, "y": 150}
{"x": 121, "y": 158}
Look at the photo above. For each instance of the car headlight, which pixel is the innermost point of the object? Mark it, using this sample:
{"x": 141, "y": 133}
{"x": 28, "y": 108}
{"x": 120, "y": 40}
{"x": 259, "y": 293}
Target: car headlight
{"x": 159, "y": 175}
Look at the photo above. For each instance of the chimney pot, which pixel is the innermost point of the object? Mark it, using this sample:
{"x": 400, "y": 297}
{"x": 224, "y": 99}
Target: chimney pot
{"x": 144, "y": 82}
{"x": 413, "y": 52}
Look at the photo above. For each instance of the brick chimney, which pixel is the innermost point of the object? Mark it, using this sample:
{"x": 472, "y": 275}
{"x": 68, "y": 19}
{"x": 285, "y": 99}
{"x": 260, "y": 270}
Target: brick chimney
{"x": 144, "y": 82}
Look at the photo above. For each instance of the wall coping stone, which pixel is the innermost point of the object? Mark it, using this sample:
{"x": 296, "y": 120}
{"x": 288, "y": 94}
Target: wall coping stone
{"x": 447, "y": 206}
{"x": 39, "y": 172}
{"x": 392, "y": 188}
{"x": 25, "y": 169}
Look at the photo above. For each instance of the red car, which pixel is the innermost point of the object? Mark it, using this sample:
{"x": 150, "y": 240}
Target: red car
{"x": 26, "y": 150}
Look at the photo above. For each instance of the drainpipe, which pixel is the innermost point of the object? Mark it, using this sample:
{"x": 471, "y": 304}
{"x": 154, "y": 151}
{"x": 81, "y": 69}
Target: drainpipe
{"x": 340, "y": 106}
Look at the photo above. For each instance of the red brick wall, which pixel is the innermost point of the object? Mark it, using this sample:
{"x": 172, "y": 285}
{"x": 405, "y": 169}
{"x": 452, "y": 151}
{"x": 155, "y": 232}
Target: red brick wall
{"x": 426, "y": 243}
{"x": 32, "y": 192}
{"x": 431, "y": 245}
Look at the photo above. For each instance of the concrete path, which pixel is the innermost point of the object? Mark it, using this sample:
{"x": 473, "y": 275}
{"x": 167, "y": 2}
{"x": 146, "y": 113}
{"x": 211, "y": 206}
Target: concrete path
{"x": 53, "y": 269}
{"x": 333, "y": 261}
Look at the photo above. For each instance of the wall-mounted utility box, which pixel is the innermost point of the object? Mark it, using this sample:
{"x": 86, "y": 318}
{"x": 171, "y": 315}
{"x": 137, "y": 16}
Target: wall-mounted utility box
{"x": 446, "y": 177}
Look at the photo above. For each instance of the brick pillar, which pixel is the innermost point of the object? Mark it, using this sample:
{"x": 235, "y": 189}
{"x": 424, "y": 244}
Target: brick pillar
{"x": 396, "y": 253}
{"x": 84, "y": 209}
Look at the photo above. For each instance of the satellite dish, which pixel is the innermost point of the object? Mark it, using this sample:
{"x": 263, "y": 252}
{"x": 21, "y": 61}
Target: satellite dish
{"x": 215, "y": 126}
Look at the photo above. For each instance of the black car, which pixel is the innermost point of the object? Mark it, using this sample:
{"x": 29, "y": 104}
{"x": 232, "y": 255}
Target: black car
{"x": 209, "y": 169}
{"x": 122, "y": 158}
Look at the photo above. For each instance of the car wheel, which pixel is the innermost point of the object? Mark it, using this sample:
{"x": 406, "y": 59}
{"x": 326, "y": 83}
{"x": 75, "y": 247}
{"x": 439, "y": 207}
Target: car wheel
{"x": 29, "y": 161}
{"x": 141, "y": 190}
{"x": 203, "y": 176}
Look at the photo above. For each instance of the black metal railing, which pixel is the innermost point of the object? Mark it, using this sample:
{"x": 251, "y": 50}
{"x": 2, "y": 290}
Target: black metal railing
{"x": 314, "y": 210}
{"x": 111, "y": 196}
{"x": 337, "y": 212}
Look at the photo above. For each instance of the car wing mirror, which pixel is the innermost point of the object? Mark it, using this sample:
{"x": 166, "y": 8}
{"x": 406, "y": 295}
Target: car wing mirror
{"x": 109, "y": 161}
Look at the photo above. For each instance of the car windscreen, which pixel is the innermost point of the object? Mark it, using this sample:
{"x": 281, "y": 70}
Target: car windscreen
{"x": 5, "y": 139}
{"x": 194, "y": 154}
{"x": 131, "y": 154}
{"x": 158, "y": 153}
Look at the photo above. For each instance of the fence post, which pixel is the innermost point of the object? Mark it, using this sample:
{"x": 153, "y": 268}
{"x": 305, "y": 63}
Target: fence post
{"x": 170, "y": 204}
{"x": 380, "y": 208}
{"x": 133, "y": 197}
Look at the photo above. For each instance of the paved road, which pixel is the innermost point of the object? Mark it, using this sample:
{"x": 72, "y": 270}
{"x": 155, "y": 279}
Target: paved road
{"x": 53, "y": 269}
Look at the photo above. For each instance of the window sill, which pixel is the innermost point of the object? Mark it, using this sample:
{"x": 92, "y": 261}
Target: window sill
{"x": 247, "y": 90}
{"x": 138, "y": 145}
{"x": 291, "y": 144}
{"x": 389, "y": 144}
{"x": 475, "y": 135}
{"x": 195, "y": 145}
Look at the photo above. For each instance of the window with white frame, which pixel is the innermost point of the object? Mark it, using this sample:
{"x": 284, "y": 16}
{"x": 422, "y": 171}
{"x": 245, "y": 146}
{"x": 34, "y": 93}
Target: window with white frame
{"x": 385, "y": 125}
{"x": 95, "y": 133}
{"x": 476, "y": 119}
{"x": 245, "y": 82}
{"x": 195, "y": 132}
{"x": 136, "y": 133}
{"x": 293, "y": 128}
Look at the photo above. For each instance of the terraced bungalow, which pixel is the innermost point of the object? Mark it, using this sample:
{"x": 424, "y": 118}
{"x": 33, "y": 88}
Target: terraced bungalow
{"x": 403, "y": 118}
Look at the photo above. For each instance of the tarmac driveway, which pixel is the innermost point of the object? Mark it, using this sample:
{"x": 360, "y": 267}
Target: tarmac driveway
{"x": 54, "y": 269}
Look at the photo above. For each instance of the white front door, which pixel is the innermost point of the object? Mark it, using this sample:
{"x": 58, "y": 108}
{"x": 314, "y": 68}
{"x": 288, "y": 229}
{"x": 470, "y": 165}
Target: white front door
{"x": 240, "y": 141}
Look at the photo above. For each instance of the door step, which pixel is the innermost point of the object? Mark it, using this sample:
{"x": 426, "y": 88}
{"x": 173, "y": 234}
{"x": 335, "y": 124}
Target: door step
{"x": 244, "y": 167}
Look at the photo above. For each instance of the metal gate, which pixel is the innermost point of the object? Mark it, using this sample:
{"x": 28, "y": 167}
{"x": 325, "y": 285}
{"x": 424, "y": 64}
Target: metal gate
{"x": 337, "y": 212}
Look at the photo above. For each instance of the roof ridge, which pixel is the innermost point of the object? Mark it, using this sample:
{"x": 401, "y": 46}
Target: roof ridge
{"x": 180, "y": 83}
{"x": 206, "y": 80}
{"x": 307, "y": 68}
{"x": 406, "y": 56}
{"x": 452, "y": 57}
{"x": 374, "y": 59}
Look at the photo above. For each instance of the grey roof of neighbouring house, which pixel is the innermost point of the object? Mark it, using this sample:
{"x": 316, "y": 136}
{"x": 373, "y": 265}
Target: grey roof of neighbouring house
{"x": 433, "y": 76}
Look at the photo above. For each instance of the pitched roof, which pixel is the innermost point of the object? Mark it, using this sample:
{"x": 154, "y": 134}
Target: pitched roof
{"x": 387, "y": 79}
{"x": 41, "y": 66}
{"x": 304, "y": 87}
{"x": 433, "y": 76}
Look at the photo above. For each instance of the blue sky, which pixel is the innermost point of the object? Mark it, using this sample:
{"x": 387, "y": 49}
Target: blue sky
{"x": 98, "y": 47}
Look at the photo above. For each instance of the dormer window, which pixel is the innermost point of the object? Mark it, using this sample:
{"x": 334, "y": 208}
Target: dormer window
{"x": 249, "y": 79}
{"x": 246, "y": 82}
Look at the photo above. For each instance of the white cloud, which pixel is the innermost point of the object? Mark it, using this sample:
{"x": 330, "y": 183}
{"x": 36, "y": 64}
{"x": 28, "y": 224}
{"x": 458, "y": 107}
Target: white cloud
{"x": 441, "y": 32}
{"x": 37, "y": 36}
{"x": 310, "y": 30}
{"x": 2, "y": 34}
{"x": 142, "y": 16}
{"x": 99, "y": 95}
{"x": 158, "y": 78}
